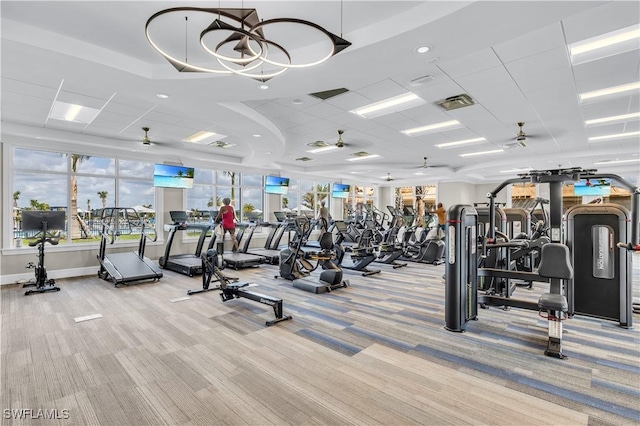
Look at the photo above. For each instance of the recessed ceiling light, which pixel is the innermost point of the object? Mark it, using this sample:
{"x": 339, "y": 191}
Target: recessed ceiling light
{"x": 525, "y": 169}
{"x": 257, "y": 135}
{"x": 297, "y": 102}
{"x": 606, "y": 162}
{"x": 267, "y": 153}
{"x": 323, "y": 149}
{"x": 162, "y": 96}
{"x": 73, "y": 113}
{"x": 430, "y": 127}
{"x": 610, "y": 91}
{"x": 605, "y": 40}
{"x": 263, "y": 86}
{"x": 614, "y": 136}
{"x": 422, "y": 49}
{"x": 199, "y": 136}
{"x": 612, "y": 119}
{"x": 418, "y": 173}
{"x": 457, "y": 143}
{"x": 389, "y": 105}
{"x": 363, "y": 157}
{"x": 471, "y": 154}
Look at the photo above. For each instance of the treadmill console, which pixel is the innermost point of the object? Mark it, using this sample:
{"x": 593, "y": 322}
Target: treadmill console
{"x": 341, "y": 226}
{"x": 179, "y": 217}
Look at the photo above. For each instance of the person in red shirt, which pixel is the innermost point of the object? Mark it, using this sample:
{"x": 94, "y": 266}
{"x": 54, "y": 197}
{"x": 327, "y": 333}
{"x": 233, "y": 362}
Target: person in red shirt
{"x": 227, "y": 217}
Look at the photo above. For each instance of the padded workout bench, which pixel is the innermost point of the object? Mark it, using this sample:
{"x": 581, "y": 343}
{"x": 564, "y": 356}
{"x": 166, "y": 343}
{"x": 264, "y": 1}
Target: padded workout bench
{"x": 556, "y": 266}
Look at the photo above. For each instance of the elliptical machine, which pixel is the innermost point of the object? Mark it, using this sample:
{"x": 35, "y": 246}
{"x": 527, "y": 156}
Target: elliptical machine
{"x": 295, "y": 263}
{"x": 43, "y": 221}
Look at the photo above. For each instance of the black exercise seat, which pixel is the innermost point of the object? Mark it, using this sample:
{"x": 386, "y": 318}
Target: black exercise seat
{"x": 554, "y": 264}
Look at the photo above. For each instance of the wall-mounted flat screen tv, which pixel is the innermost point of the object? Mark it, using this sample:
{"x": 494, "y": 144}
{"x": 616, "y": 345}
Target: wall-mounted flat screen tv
{"x": 169, "y": 176}
{"x": 592, "y": 187}
{"x": 276, "y": 185}
{"x": 340, "y": 190}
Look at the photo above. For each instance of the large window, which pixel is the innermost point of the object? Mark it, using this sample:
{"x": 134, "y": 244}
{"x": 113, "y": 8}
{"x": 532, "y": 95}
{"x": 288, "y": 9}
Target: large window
{"x": 305, "y": 196}
{"x": 81, "y": 185}
{"x": 212, "y": 186}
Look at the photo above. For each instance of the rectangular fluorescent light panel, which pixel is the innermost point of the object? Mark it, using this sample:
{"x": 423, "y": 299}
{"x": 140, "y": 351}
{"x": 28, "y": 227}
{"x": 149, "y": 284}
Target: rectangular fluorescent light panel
{"x": 610, "y": 91}
{"x": 458, "y": 143}
{"x": 614, "y": 136}
{"x": 431, "y": 127}
{"x": 605, "y": 45}
{"x": 365, "y": 157}
{"x": 472, "y": 154}
{"x": 200, "y": 136}
{"x": 73, "y": 113}
{"x": 323, "y": 149}
{"x": 526, "y": 169}
{"x": 390, "y": 105}
{"x": 607, "y": 162}
{"x": 612, "y": 119}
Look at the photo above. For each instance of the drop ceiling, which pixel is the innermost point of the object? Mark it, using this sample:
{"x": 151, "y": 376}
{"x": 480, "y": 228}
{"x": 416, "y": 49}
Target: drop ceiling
{"x": 511, "y": 58}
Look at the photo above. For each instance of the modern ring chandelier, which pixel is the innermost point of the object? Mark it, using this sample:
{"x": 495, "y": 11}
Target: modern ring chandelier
{"x": 244, "y": 51}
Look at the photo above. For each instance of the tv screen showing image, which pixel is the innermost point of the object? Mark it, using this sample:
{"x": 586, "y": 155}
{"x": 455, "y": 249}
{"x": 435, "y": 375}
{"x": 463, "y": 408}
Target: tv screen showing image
{"x": 169, "y": 176}
{"x": 592, "y": 187}
{"x": 340, "y": 190}
{"x": 276, "y": 185}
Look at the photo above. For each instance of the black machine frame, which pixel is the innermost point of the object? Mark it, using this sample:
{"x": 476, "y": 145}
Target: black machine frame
{"x": 43, "y": 221}
{"x": 187, "y": 263}
{"x": 231, "y": 289}
{"x": 125, "y": 267}
{"x": 463, "y": 254}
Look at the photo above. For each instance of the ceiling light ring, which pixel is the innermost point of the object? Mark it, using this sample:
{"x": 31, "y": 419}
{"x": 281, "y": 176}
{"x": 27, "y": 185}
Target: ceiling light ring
{"x": 255, "y": 29}
{"x": 170, "y": 58}
{"x": 226, "y": 27}
{"x": 330, "y": 36}
{"x": 262, "y": 76}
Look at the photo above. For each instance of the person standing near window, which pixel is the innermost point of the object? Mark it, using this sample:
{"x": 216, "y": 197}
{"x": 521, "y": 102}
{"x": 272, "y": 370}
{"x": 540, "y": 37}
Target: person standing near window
{"x": 227, "y": 217}
{"x": 323, "y": 216}
{"x": 442, "y": 216}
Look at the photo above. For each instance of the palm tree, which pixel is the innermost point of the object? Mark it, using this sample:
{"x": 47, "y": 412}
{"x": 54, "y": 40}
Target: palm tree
{"x": 248, "y": 207}
{"x": 103, "y": 196}
{"x": 309, "y": 199}
{"x": 231, "y": 175}
{"x": 75, "y": 224}
{"x": 16, "y": 197}
{"x": 37, "y": 205}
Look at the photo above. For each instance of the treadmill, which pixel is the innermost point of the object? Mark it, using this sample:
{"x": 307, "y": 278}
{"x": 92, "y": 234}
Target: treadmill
{"x": 188, "y": 263}
{"x": 123, "y": 268}
{"x": 270, "y": 251}
{"x": 241, "y": 259}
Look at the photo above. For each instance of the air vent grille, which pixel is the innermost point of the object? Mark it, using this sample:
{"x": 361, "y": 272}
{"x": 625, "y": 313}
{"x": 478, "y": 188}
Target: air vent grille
{"x": 327, "y": 94}
{"x": 318, "y": 144}
{"x": 304, "y": 159}
{"x": 455, "y": 102}
{"x": 221, "y": 144}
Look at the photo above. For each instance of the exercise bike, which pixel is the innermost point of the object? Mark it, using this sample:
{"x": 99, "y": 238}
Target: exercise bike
{"x": 43, "y": 221}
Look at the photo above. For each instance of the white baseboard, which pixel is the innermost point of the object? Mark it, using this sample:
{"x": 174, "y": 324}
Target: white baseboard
{"x": 55, "y": 274}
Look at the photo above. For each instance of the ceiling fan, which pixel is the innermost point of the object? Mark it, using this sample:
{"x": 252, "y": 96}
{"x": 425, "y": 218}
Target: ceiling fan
{"x": 521, "y": 138}
{"x": 426, "y": 165}
{"x": 145, "y": 138}
{"x": 340, "y": 143}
